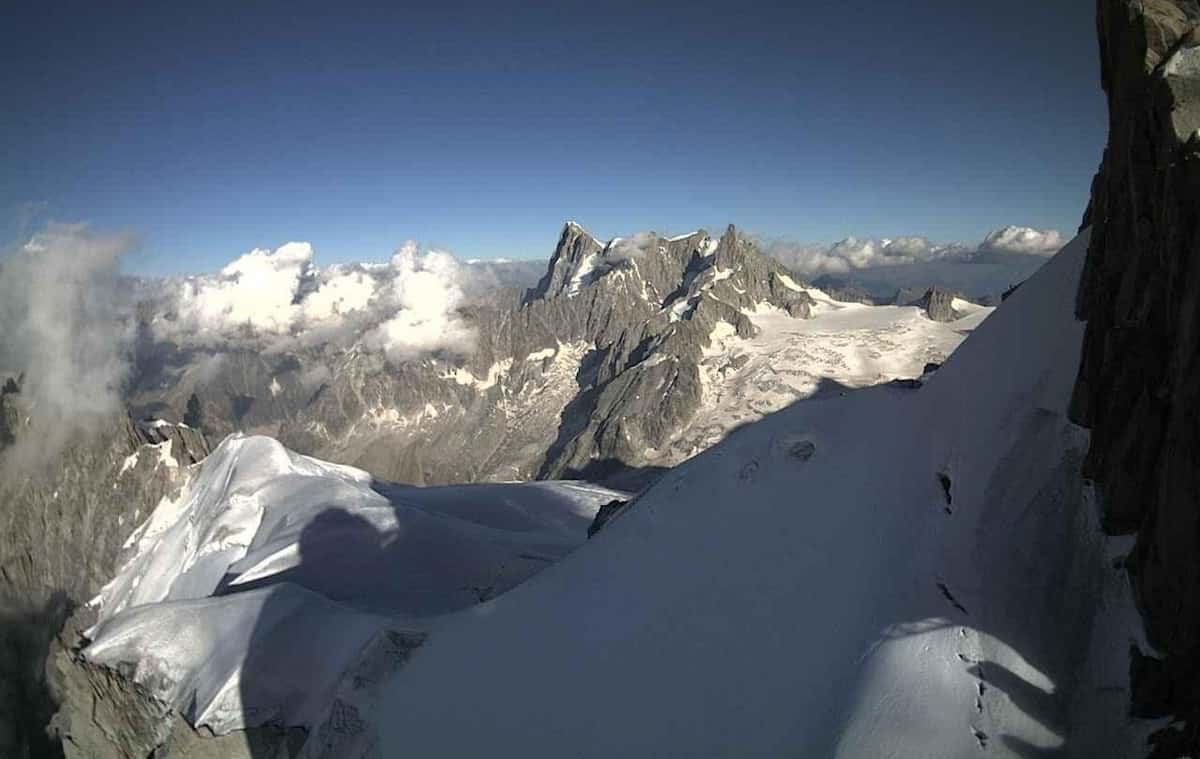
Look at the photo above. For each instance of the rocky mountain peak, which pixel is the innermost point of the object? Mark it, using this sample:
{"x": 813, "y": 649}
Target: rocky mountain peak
{"x": 575, "y": 247}
{"x": 661, "y": 270}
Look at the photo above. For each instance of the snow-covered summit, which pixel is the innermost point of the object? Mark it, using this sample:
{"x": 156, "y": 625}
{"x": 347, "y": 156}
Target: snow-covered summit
{"x": 249, "y": 597}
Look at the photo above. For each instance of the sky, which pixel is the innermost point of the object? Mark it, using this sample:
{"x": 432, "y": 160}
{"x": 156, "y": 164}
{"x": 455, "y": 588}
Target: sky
{"x": 210, "y": 129}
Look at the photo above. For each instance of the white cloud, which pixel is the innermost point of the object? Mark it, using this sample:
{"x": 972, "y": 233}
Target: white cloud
{"x": 256, "y": 291}
{"x": 426, "y": 290}
{"x": 625, "y": 248}
{"x": 63, "y": 328}
{"x": 279, "y": 300}
{"x": 338, "y": 294}
{"x": 1011, "y": 239}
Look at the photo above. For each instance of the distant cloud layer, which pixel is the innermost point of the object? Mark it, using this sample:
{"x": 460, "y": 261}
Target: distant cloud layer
{"x": 857, "y": 253}
{"x": 863, "y": 253}
{"x": 410, "y": 306}
{"x": 1005, "y": 256}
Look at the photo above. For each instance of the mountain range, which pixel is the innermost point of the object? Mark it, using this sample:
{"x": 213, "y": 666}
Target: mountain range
{"x": 704, "y": 508}
{"x": 610, "y": 366}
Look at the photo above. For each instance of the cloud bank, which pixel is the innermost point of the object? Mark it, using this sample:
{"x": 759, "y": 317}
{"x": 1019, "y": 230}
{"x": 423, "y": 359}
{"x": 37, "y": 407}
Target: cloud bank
{"x": 1004, "y": 257}
{"x": 1022, "y": 240}
{"x": 64, "y": 330}
{"x": 280, "y": 300}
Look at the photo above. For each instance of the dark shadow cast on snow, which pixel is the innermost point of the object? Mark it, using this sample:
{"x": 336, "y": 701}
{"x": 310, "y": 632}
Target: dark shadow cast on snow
{"x": 268, "y": 736}
{"x": 345, "y": 558}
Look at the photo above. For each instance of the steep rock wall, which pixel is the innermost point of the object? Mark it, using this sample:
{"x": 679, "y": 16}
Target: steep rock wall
{"x": 1137, "y": 386}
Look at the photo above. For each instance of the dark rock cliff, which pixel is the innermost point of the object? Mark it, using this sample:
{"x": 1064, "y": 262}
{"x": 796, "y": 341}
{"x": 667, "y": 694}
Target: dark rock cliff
{"x": 1137, "y": 387}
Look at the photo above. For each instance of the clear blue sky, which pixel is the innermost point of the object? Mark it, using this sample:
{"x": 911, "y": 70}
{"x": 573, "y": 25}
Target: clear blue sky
{"x": 482, "y": 126}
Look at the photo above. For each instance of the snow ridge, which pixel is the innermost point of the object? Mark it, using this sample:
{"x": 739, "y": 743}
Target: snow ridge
{"x": 269, "y": 551}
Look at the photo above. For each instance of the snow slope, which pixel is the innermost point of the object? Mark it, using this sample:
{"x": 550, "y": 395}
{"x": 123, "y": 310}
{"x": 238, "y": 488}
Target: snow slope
{"x": 252, "y": 595}
{"x": 904, "y": 574}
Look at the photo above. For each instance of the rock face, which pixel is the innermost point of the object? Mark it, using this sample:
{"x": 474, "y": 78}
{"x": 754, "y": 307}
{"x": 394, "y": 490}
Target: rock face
{"x": 61, "y": 532}
{"x": 938, "y": 304}
{"x": 644, "y": 382}
{"x": 109, "y": 715}
{"x": 580, "y": 375}
{"x": 1140, "y": 294}
{"x": 63, "y": 527}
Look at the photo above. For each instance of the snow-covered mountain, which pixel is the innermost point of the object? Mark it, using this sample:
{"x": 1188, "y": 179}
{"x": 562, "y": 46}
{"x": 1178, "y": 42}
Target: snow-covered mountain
{"x": 315, "y": 566}
{"x": 611, "y": 379}
{"x": 934, "y": 568}
{"x": 888, "y": 569}
{"x": 605, "y": 369}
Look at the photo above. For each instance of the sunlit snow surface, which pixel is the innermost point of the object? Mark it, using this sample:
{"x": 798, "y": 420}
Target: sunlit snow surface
{"x": 248, "y": 597}
{"x": 843, "y": 346}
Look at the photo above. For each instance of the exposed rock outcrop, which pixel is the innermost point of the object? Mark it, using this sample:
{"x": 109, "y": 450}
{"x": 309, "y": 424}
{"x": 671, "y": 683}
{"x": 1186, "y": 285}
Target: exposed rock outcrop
{"x": 106, "y": 713}
{"x": 62, "y": 529}
{"x": 938, "y": 304}
{"x": 605, "y": 515}
{"x": 1140, "y": 294}
{"x": 109, "y": 715}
